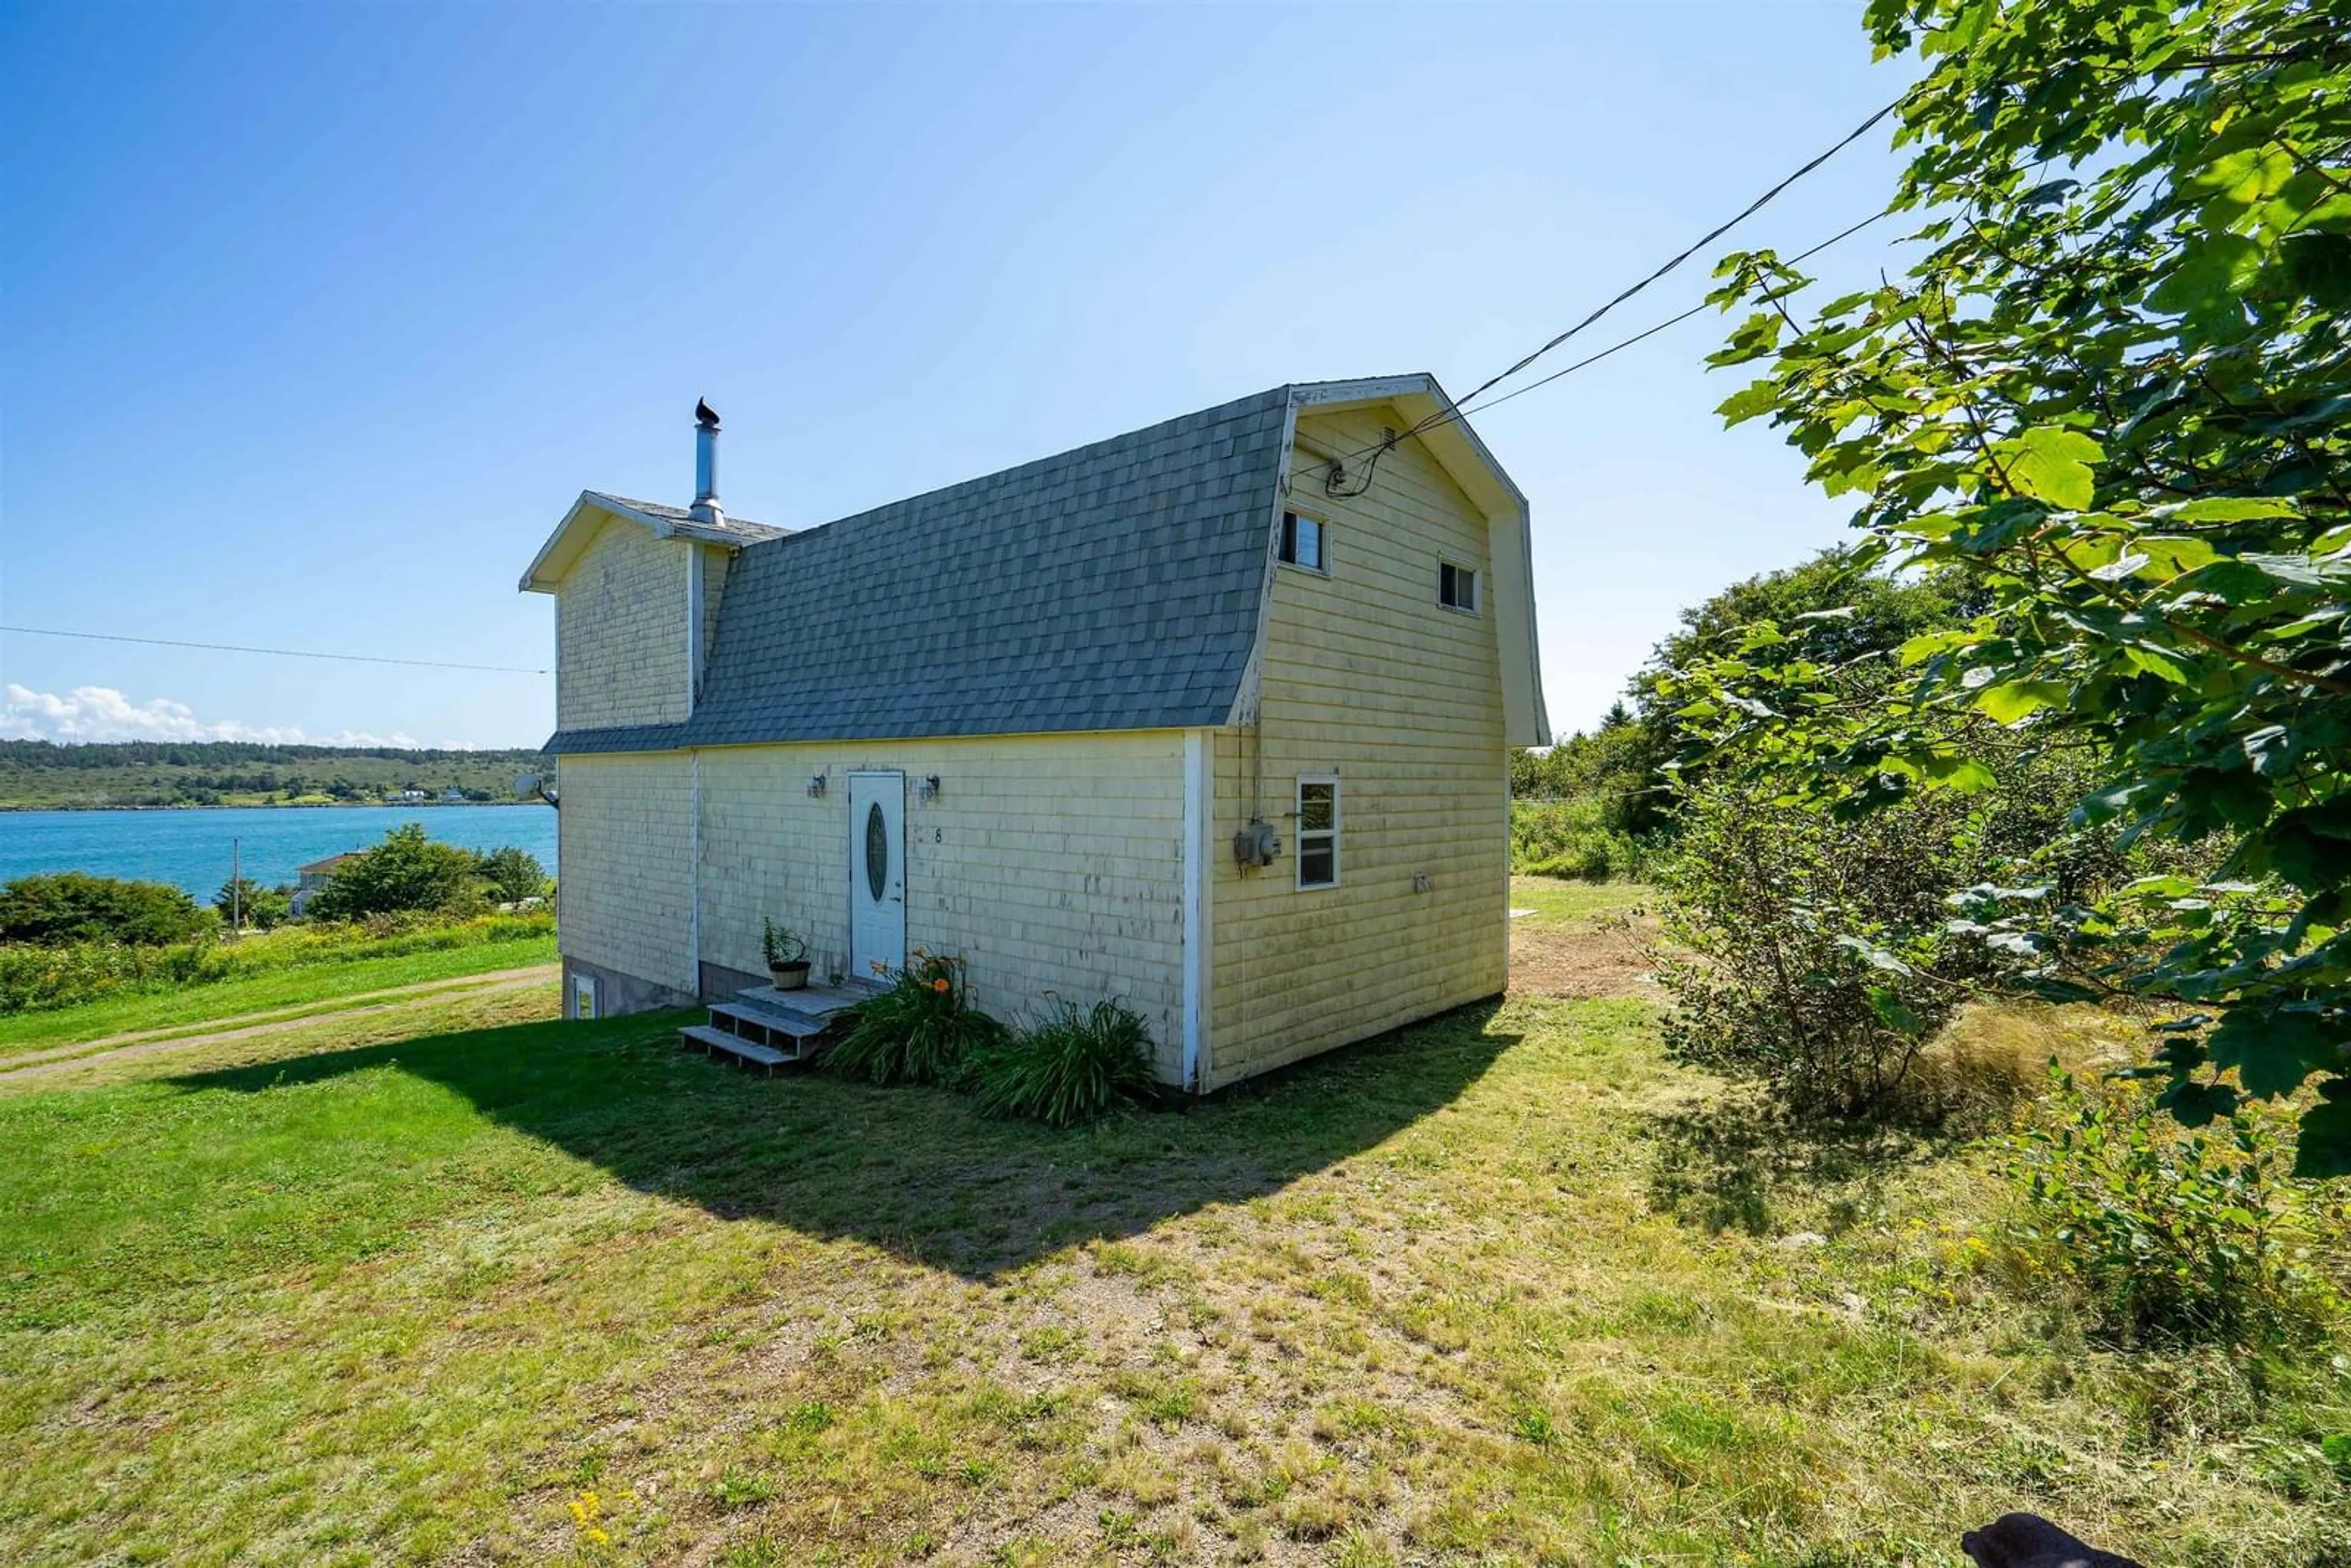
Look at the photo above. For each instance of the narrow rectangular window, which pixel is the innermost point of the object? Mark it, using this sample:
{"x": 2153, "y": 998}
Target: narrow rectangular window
{"x": 1456, "y": 587}
{"x": 1301, "y": 542}
{"x": 1317, "y": 833}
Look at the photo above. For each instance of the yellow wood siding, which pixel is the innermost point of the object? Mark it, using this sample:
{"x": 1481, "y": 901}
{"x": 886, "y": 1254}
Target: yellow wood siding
{"x": 621, "y": 634}
{"x": 1050, "y": 864}
{"x": 624, "y": 854}
{"x": 1368, "y": 677}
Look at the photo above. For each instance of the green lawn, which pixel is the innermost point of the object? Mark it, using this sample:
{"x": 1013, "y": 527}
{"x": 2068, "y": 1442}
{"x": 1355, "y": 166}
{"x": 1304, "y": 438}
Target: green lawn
{"x": 523, "y": 1292}
{"x": 1563, "y": 901}
{"x": 281, "y": 993}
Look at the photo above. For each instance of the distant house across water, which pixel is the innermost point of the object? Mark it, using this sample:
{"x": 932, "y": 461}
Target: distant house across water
{"x": 315, "y": 876}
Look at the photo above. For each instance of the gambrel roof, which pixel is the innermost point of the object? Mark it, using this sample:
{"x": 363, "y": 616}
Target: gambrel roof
{"x": 1118, "y": 586}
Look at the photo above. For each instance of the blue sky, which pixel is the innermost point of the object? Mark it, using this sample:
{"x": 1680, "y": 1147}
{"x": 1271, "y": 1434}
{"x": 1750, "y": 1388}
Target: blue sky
{"x": 314, "y": 318}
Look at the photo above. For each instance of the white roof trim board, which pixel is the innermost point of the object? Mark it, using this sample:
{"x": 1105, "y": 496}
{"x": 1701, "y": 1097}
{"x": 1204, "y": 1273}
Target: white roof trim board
{"x": 587, "y": 514}
{"x": 1117, "y": 586}
{"x": 1450, "y": 439}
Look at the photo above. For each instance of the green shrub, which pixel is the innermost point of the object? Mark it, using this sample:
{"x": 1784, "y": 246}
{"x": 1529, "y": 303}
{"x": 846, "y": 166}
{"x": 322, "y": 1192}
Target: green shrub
{"x": 1806, "y": 953}
{"x": 74, "y": 906}
{"x": 1816, "y": 950}
{"x": 1571, "y": 837}
{"x": 243, "y": 900}
{"x": 1071, "y": 1066}
{"x": 921, "y": 1030}
{"x": 2160, "y": 1235}
{"x": 513, "y": 873}
{"x": 407, "y": 871}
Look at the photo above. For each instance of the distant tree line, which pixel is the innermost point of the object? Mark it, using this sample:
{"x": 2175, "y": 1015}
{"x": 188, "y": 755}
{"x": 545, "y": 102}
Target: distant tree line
{"x": 39, "y": 773}
{"x": 231, "y": 753}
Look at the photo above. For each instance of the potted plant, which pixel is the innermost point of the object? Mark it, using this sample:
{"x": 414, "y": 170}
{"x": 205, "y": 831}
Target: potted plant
{"x": 787, "y": 951}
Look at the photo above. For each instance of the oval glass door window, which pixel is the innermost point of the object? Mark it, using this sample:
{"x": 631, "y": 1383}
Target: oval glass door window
{"x": 877, "y": 850}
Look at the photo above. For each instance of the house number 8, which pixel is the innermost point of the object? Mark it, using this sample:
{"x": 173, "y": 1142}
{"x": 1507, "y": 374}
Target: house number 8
{"x": 939, "y": 835}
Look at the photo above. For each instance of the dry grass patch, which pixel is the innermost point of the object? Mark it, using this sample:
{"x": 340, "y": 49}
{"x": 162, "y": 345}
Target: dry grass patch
{"x": 559, "y": 1293}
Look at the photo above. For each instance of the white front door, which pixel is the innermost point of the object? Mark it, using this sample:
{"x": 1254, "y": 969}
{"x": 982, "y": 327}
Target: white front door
{"x": 877, "y": 874}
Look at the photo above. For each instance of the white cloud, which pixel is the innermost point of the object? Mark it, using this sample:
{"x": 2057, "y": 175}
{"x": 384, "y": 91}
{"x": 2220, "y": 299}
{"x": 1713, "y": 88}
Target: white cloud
{"x": 102, "y": 713}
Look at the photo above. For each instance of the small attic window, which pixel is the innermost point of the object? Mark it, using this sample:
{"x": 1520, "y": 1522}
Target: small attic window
{"x": 1456, "y": 587}
{"x": 1302, "y": 539}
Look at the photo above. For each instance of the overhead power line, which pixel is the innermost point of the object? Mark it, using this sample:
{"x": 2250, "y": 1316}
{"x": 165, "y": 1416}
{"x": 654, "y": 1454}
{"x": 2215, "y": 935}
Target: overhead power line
{"x": 1700, "y": 308}
{"x": 273, "y": 653}
{"x": 1380, "y": 448}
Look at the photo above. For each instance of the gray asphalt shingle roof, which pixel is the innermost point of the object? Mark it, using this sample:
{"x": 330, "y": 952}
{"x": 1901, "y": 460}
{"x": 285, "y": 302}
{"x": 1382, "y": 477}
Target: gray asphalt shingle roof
{"x": 1113, "y": 587}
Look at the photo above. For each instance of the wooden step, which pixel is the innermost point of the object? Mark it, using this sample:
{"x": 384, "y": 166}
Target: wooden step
{"x": 717, "y": 1039}
{"x": 745, "y": 1016}
{"x": 815, "y": 1003}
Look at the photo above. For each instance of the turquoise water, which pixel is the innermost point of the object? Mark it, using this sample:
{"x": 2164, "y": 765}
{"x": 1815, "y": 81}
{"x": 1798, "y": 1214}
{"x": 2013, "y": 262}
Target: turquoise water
{"x": 192, "y": 847}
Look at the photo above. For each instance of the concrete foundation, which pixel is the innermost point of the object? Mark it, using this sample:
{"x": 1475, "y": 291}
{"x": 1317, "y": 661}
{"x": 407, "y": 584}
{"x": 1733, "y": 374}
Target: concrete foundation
{"x": 616, "y": 994}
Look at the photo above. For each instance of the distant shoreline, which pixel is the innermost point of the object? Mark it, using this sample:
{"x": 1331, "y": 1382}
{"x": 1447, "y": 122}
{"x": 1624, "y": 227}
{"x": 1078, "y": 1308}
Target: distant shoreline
{"x": 263, "y": 806}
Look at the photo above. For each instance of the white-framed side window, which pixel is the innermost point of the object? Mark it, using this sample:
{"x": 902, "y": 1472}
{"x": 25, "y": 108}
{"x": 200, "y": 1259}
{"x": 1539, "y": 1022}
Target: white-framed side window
{"x": 1318, "y": 830}
{"x": 583, "y": 997}
{"x": 1456, "y": 587}
{"x": 1305, "y": 543}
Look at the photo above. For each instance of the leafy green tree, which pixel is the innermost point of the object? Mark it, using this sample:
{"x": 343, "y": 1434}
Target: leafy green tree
{"x": 74, "y": 906}
{"x": 513, "y": 873}
{"x": 1854, "y": 612}
{"x": 2116, "y": 391}
{"x": 406, "y": 871}
{"x": 262, "y": 908}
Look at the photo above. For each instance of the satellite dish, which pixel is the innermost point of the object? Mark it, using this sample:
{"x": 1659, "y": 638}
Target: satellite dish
{"x": 535, "y": 786}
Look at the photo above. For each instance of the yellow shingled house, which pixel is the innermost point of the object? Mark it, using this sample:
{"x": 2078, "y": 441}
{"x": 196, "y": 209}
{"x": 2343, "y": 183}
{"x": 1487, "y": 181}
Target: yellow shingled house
{"x": 1213, "y": 718}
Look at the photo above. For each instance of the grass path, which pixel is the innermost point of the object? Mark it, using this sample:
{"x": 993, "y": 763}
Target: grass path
{"x": 450, "y": 1281}
{"x": 339, "y": 1011}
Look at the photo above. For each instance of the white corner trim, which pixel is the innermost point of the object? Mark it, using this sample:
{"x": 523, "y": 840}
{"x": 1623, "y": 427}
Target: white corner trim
{"x": 1199, "y": 819}
{"x": 694, "y": 604}
{"x": 1251, "y": 689}
{"x": 693, "y": 878}
{"x": 1509, "y": 810}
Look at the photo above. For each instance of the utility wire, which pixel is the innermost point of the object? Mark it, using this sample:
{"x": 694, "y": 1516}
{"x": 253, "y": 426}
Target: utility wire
{"x": 1716, "y": 233}
{"x": 1700, "y": 308}
{"x": 274, "y": 652}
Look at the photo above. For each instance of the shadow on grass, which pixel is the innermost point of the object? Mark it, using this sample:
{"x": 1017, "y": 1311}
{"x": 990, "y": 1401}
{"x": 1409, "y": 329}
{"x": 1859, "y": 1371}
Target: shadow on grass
{"x": 915, "y": 1171}
{"x": 1728, "y": 1163}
